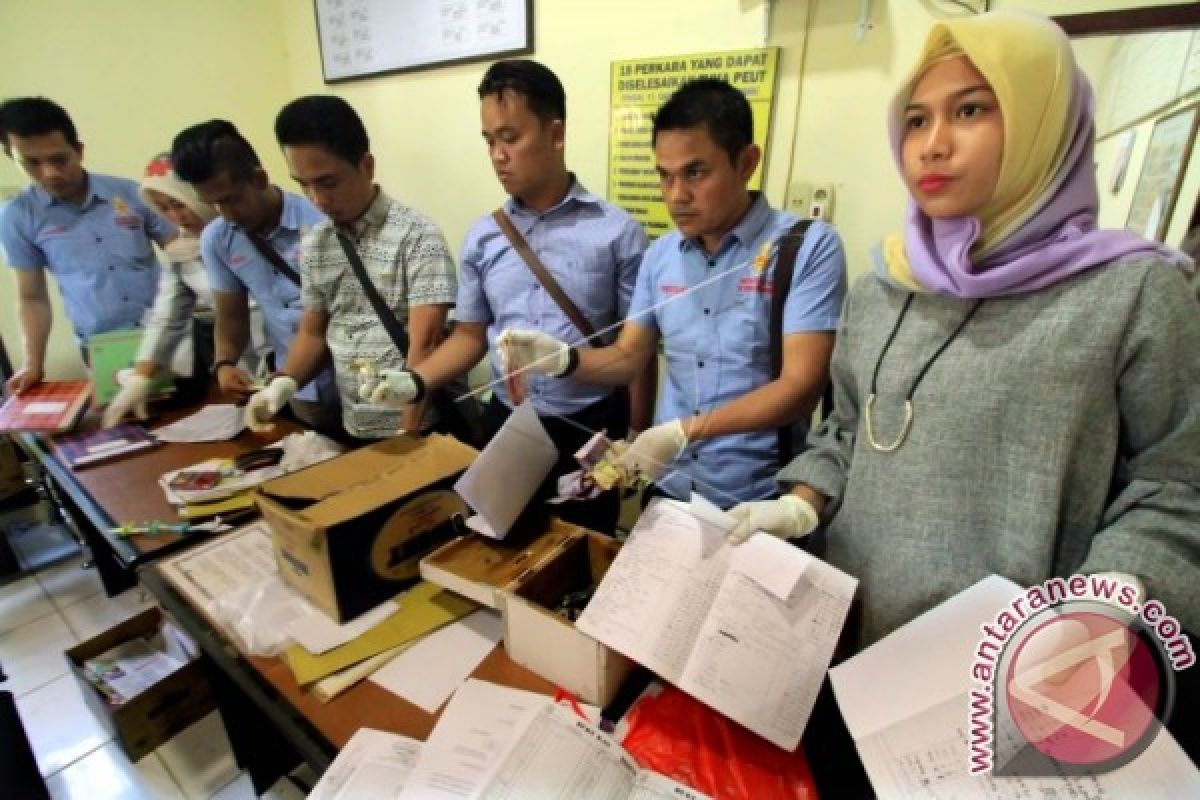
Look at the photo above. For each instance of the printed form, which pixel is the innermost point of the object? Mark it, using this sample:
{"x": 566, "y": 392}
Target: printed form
{"x": 373, "y": 765}
{"x": 749, "y": 629}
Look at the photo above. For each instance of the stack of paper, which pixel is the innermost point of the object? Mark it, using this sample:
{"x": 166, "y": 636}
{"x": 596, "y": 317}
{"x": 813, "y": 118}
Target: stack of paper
{"x": 213, "y": 423}
{"x": 749, "y": 630}
{"x": 911, "y": 729}
{"x": 129, "y": 669}
{"x": 373, "y": 765}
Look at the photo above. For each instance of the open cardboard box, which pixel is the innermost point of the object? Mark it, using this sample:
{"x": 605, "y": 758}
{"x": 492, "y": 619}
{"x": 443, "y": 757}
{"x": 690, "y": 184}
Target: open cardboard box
{"x": 349, "y": 532}
{"x": 149, "y": 719}
{"x": 527, "y": 576}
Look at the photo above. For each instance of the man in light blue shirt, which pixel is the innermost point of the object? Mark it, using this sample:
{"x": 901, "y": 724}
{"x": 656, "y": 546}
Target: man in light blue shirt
{"x": 252, "y": 250}
{"x": 591, "y": 248}
{"x": 91, "y": 231}
{"x": 705, "y": 291}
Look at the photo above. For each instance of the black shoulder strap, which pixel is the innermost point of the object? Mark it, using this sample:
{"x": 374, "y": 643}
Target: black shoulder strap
{"x": 387, "y": 318}
{"x": 785, "y": 267}
{"x": 272, "y": 255}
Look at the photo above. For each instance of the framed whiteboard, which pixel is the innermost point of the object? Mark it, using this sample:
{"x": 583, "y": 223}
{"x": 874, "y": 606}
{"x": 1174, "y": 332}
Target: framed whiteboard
{"x": 360, "y": 38}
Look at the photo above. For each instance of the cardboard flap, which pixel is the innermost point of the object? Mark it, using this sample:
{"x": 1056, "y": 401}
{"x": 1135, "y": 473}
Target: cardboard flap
{"x": 499, "y": 564}
{"x": 367, "y": 478}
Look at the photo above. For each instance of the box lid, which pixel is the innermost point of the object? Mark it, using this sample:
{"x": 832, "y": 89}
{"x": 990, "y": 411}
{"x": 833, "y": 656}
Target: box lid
{"x": 476, "y": 566}
{"x": 365, "y": 479}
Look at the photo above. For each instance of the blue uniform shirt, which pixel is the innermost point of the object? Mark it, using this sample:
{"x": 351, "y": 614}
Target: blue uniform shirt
{"x": 99, "y": 252}
{"x": 235, "y": 265}
{"x": 716, "y": 338}
{"x": 593, "y": 250}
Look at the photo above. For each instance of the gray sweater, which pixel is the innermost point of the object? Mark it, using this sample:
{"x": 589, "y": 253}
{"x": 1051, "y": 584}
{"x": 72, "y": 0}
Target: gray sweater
{"x": 1059, "y": 433}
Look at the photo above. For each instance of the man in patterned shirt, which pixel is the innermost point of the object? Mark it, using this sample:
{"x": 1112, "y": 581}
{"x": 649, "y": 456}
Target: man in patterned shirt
{"x": 403, "y": 252}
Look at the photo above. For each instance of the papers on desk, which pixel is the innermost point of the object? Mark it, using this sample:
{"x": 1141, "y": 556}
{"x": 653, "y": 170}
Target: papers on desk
{"x": 317, "y": 633}
{"x": 507, "y": 474}
{"x": 911, "y": 729}
{"x": 427, "y": 673}
{"x": 499, "y": 743}
{"x": 373, "y": 765}
{"x": 748, "y": 630}
{"x": 213, "y": 423}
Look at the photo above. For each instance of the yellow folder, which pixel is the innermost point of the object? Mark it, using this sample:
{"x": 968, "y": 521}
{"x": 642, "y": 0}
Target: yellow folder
{"x": 423, "y": 609}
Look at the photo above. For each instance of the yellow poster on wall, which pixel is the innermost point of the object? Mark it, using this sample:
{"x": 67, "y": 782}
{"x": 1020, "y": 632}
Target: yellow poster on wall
{"x": 641, "y": 85}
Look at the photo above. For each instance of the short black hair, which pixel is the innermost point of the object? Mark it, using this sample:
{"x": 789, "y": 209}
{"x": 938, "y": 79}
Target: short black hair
{"x": 540, "y": 87}
{"x": 324, "y": 120}
{"x": 712, "y": 104}
{"x": 35, "y": 116}
{"x": 212, "y": 148}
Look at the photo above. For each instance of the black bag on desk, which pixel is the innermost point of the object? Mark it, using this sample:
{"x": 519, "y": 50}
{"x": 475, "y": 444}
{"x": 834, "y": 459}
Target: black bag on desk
{"x": 459, "y": 418}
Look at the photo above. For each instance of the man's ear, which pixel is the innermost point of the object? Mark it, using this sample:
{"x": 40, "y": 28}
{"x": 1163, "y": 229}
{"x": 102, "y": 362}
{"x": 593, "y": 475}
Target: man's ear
{"x": 558, "y": 134}
{"x": 367, "y": 165}
{"x": 747, "y": 161}
{"x": 260, "y": 180}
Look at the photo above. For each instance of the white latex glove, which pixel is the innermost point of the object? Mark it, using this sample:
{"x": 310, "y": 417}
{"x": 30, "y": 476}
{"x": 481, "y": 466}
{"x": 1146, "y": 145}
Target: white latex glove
{"x": 654, "y": 449}
{"x": 265, "y": 403}
{"x": 135, "y": 389}
{"x": 533, "y": 350}
{"x": 395, "y": 388}
{"x": 789, "y": 517}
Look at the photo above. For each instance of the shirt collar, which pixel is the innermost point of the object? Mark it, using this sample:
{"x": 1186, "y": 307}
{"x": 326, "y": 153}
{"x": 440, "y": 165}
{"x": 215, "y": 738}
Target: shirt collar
{"x": 748, "y": 228}
{"x": 97, "y": 190}
{"x": 576, "y": 193}
{"x": 374, "y": 217}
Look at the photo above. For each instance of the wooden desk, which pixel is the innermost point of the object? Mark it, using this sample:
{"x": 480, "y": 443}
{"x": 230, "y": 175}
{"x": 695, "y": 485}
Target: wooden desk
{"x": 126, "y": 491}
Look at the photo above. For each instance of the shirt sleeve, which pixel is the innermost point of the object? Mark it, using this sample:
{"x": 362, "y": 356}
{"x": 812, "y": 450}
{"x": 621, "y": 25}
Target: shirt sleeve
{"x": 471, "y": 304}
{"x": 312, "y": 292}
{"x": 428, "y": 266}
{"x": 167, "y": 322}
{"x": 631, "y": 246}
{"x": 1151, "y": 528}
{"x": 219, "y": 274}
{"x": 641, "y": 305}
{"x": 818, "y": 289}
{"x": 19, "y": 249}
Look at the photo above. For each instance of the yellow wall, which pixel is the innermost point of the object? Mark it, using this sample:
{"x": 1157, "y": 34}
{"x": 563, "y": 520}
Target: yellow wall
{"x": 132, "y": 73}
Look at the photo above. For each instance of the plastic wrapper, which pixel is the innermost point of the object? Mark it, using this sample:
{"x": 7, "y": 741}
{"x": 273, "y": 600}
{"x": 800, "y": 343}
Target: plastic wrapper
{"x": 257, "y": 616}
{"x": 682, "y": 738}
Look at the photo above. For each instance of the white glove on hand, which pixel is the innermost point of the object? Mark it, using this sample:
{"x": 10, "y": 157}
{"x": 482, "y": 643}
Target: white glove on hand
{"x": 135, "y": 390}
{"x": 395, "y": 388}
{"x": 789, "y": 517}
{"x": 654, "y": 449}
{"x": 533, "y": 350}
{"x": 265, "y": 404}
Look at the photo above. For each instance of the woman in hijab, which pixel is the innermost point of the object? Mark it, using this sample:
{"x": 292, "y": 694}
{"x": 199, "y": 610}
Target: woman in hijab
{"x": 1016, "y": 391}
{"x": 182, "y": 290}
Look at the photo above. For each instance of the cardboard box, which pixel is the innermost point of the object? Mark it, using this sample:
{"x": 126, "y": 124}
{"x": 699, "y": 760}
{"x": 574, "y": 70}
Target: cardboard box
{"x": 527, "y": 577}
{"x": 349, "y": 533}
{"x": 548, "y": 643}
{"x": 149, "y": 719}
{"x": 478, "y": 567}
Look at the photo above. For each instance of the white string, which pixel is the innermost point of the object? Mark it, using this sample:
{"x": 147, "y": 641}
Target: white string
{"x": 715, "y": 492}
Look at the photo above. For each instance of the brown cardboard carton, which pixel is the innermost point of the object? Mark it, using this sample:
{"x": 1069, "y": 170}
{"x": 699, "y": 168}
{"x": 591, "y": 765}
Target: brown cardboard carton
{"x": 349, "y": 532}
{"x": 149, "y": 719}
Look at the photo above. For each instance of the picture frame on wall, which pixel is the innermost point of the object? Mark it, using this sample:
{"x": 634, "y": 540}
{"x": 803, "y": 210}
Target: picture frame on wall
{"x": 1158, "y": 184}
{"x": 365, "y": 38}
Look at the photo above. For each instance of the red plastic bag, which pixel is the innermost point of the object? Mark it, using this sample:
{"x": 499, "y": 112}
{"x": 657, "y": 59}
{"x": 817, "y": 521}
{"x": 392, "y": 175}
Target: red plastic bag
{"x": 687, "y": 741}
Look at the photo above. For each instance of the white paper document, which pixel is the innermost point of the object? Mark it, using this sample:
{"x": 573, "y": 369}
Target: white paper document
{"x": 225, "y": 565}
{"x": 317, "y": 633}
{"x": 905, "y": 702}
{"x": 131, "y": 668}
{"x": 213, "y": 423}
{"x": 558, "y": 756}
{"x": 373, "y": 765}
{"x": 509, "y": 471}
{"x": 476, "y": 728}
{"x": 748, "y": 630}
{"x": 427, "y": 673}
{"x": 44, "y": 407}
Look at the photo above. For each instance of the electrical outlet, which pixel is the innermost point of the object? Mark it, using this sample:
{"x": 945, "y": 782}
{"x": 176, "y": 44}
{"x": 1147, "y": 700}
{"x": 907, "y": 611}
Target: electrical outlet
{"x": 821, "y": 204}
{"x": 799, "y": 195}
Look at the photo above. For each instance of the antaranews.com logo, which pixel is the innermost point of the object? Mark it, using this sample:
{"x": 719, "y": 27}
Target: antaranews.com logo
{"x": 1074, "y": 676}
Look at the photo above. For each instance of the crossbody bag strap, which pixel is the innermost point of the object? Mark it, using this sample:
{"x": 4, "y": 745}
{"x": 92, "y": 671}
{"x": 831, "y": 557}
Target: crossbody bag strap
{"x": 543, "y": 275}
{"x": 785, "y": 267}
{"x": 387, "y": 318}
{"x": 272, "y": 255}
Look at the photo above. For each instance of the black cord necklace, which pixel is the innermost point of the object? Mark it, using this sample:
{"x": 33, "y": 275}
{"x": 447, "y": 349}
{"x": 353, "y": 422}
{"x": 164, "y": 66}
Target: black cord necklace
{"x": 908, "y": 407}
